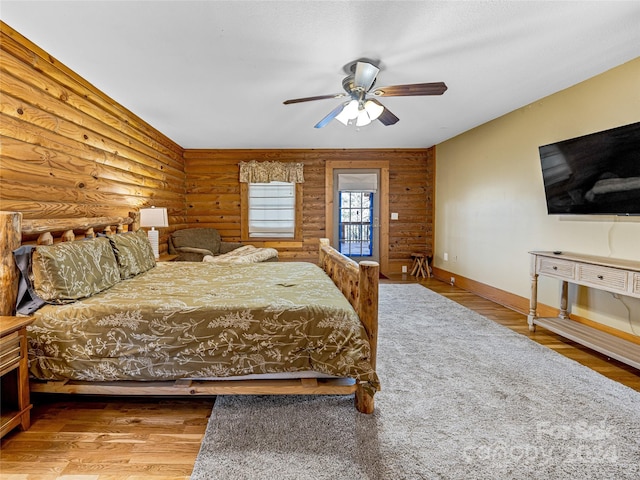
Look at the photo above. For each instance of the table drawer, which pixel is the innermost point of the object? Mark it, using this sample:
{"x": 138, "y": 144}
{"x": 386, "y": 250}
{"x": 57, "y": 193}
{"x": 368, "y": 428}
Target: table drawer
{"x": 635, "y": 289}
{"x": 555, "y": 267}
{"x": 10, "y": 351}
{"x": 604, "y": 277}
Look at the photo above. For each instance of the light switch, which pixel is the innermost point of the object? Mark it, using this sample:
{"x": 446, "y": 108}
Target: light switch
{"x": 394, "y": 216}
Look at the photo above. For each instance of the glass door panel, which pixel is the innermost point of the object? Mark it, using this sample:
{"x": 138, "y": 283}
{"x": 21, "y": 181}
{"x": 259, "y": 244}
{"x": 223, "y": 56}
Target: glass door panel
{"x": 355, "y": 224}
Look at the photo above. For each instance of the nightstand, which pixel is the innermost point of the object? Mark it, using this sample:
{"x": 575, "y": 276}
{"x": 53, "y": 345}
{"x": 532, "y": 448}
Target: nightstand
{"x": 14, "y": 396}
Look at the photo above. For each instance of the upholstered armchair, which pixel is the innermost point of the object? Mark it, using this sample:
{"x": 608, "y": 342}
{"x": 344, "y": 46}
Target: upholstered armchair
{"x": 192, "y": 244}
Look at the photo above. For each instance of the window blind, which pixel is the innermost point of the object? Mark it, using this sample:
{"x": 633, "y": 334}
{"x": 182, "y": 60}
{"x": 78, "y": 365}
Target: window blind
{"x": 272, "y": 209}
{"x": 357, "y": 182}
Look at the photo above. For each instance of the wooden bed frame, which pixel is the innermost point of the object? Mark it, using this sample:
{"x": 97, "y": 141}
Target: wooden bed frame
{"x": 358, "y": 283}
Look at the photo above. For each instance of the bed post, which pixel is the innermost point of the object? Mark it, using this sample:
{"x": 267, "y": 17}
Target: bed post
{"x": 10, "y": 239}
{"x": 135, "y": 224}
{"x": 324, "y": 242}
{"x": 368, "y": 313}
{"x": 368, "y": 303}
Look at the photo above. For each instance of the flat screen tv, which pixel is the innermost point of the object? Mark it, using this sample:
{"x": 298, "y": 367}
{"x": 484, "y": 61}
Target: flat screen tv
{"x": 597, "y": 173}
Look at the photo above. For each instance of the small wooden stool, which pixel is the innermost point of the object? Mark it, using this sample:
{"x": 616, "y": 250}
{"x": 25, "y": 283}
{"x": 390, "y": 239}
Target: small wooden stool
{"x": 420, "y": 266}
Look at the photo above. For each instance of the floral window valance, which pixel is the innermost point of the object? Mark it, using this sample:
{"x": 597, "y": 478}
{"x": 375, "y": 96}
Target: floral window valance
{"x": 266, "y": 172}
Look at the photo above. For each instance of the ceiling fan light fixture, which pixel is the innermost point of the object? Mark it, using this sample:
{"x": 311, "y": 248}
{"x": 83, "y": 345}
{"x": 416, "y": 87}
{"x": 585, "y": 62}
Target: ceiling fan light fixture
{"x": 363, "y": 118}
{"x": 349, "y": 112}
{"x": 360, "y": 113}
{"x": 374, "y": 109}
{"x": 368, "y": 112}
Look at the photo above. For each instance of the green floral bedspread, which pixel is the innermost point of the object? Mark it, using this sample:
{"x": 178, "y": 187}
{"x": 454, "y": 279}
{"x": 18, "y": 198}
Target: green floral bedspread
{"x": 203, "y": 320}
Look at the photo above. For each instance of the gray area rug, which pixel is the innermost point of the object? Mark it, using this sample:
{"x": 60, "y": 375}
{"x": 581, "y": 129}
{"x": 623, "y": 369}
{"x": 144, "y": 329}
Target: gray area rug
{"x": 462, "y": 398}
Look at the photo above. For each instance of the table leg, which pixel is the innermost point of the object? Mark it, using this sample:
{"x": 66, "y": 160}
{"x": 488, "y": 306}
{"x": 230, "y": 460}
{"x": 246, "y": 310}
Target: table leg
{"x": 533, "y": 302}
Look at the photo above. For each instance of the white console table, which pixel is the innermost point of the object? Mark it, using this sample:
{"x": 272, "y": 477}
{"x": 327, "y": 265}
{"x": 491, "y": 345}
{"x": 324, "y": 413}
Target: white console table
{"x": 609, "y": 274}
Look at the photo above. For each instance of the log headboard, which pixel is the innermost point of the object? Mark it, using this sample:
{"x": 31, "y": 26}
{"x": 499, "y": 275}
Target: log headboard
{"x": 13, "y": 230}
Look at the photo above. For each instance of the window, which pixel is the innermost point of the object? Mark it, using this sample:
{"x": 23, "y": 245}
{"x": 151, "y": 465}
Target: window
{"x": 271, "y": 201}
{"x": 271, "y": 210}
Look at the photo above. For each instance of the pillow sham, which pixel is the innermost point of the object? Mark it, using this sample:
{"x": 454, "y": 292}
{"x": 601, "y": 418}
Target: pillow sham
{"x": 133, "y": 253}
{"x": 69, "y": 271}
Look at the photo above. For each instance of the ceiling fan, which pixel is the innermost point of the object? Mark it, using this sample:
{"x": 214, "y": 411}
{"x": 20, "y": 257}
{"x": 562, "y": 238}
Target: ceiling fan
{"x": 362, "y": 107}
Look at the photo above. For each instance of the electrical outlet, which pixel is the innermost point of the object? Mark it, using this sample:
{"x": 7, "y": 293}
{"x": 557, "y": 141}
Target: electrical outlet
{"x": 445, "y": 257}
{"x": 404, "y": 269}
{"x": 453, "y": 280}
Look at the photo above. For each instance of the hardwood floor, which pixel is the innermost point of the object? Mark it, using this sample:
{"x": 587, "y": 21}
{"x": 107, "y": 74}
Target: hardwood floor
{"x": 102, "y": 438}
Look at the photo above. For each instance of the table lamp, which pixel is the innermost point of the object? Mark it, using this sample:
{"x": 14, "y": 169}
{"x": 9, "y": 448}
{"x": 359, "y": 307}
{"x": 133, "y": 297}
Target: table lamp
{"x": 154, "y": 217}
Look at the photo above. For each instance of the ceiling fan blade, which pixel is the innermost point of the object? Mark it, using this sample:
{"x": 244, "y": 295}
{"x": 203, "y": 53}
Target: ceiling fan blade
{"x": 365, "y": 75}
{"x": 387, "y": 118}
{"x": 310, "y": 99}
{"x": 413, "y": 89}
{"x": 332, "y": 114}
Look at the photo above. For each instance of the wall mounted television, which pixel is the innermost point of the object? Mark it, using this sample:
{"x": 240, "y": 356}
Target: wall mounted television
{"x": 596, "y": 174}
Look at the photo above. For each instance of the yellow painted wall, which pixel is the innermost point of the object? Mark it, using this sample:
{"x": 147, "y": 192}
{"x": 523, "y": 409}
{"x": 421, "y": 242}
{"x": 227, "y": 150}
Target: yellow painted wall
{"x": 490, "y": 202}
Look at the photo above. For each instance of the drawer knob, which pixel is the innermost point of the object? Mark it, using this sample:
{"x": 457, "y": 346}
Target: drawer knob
{"x": 600, "y": 277}
{"x": 555, "y": 268}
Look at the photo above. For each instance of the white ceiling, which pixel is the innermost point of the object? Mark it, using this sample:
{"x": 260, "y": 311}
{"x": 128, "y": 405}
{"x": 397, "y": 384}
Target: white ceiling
{"x": 214, "y": 74}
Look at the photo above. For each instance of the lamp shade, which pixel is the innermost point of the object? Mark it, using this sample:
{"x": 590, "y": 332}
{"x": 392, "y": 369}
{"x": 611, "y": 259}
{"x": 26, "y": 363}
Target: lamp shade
{"x": 363, "y": 118}
{"x": 349, "y": 112}
{"x": 154, "y": 217}
{"x": 374, "y": 109}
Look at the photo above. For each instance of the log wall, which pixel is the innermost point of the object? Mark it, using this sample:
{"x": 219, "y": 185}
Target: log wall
{"x": 69, "y": 150}
{"x": 213, "y": 195}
